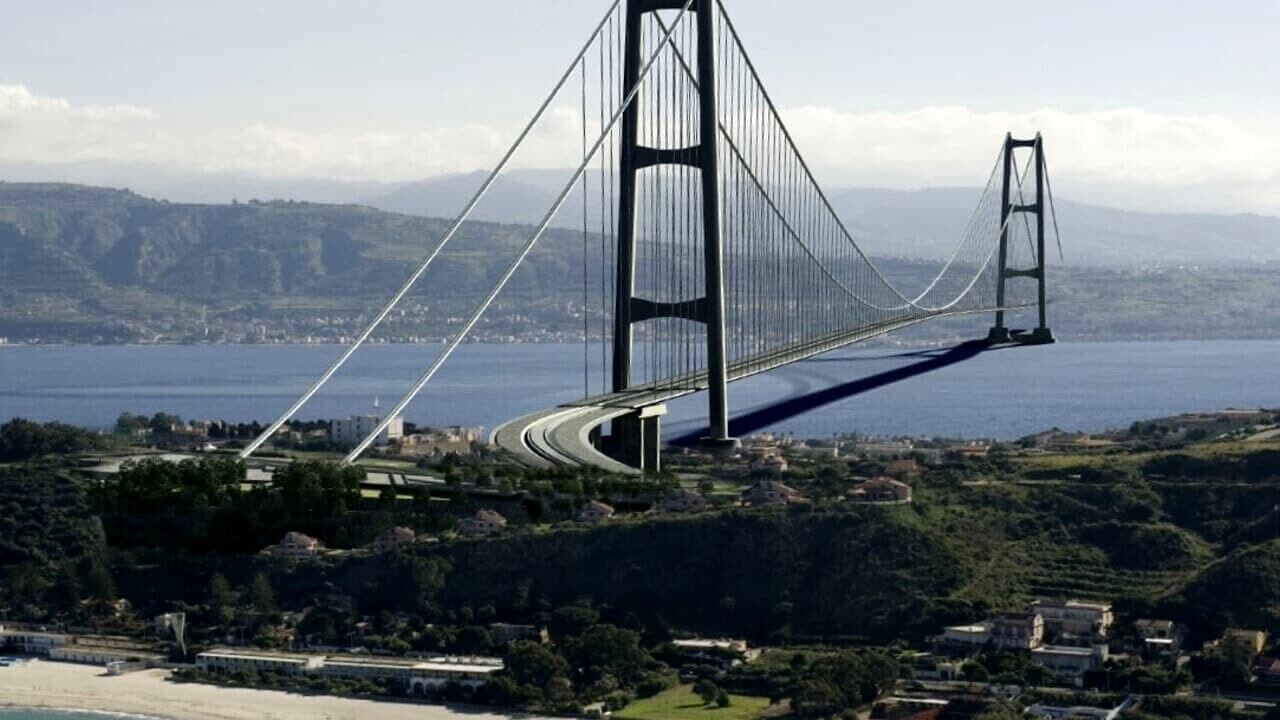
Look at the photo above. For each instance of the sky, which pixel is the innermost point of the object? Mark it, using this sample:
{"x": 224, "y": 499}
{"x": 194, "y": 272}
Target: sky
{"x": 1147, "y": 104}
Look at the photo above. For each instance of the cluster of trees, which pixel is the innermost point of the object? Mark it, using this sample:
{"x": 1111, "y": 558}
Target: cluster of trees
{"x": 318, "y": 489}
{"x": 739, "y": 573}
{"x": 51, "y": 544}
{"x": 130, "y": 424}
{"x": 597, "y": 662}
{"x": 842, "y": 681}
{"x": 23, "y": 439}
{"x": 163, "y": 423}
{"x": 152, "y": 485}
{"x": 204, "y": 503}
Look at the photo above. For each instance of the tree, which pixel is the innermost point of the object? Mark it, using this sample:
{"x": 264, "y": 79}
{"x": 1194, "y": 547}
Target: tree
{"x": 387, "y": 497}
{"x": 221, "y": 599}
{"x": 816, "y": 698}
{"x": 707, "y": 690}
{"x": 722, "y": 699}
{"x": 313, "y": 489}
{"x": 23, "y": 439}
{"x": 534, "y": 665}
{"x": 264, "y": 597}
{"x": 101, "y": 585}
{"x": 974, "y": 671}
{"x": 607, "y": 649}
{"x": 573, "y": 619}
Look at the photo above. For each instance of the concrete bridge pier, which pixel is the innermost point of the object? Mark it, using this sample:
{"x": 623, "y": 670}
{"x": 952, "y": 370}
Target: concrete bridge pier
{"x": 636, "y": 438}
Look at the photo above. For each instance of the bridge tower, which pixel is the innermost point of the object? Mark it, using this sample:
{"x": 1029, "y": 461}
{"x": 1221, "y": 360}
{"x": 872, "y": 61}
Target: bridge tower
{"x": 635, "y": 436}
{"x": 1041, "y": 335}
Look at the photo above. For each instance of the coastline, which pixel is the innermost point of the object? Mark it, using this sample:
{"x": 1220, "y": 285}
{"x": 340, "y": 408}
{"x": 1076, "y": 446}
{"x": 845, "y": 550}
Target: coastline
{"x": 149, "y": 694}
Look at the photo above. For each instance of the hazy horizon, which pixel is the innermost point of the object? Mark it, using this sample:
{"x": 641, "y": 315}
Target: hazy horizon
{"x": 1144, "y": 107}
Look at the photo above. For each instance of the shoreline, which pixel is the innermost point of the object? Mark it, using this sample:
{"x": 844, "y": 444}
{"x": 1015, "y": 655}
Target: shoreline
{"x": 149, "y": 695}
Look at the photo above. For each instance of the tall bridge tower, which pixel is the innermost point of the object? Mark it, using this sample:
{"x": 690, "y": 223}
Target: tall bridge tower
{"x": 1041, "y": 335}
{"x": 708, "y": 309}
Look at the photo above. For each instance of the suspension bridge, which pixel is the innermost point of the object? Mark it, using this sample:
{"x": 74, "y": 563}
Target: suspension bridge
{"x": 709, "y": 251}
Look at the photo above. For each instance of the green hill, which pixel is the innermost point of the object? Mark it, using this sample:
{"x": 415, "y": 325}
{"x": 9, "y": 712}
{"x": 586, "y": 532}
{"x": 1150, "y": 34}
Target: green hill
{"x": 80, "y": 263}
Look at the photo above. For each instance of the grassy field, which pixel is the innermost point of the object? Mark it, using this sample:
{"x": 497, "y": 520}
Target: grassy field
{"x": 681, "y": 704}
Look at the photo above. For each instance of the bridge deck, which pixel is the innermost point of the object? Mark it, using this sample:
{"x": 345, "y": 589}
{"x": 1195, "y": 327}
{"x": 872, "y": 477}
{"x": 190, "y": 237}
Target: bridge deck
{"x": 562, "y": 435}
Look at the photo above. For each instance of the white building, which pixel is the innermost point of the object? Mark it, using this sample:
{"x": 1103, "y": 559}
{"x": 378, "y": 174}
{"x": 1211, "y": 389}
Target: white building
{"x": 228, "y": 661}
{"x": 484, "y": 522}
{"x": 89, "y": 655}
{"x": 346, "y": 432}
{"x": 1043, "y": 711}
{"x": 1075, "y": 617}
{"x": 727, "y": 652}
{"x": 594, "y": 511}
{"x": 682, "y": 500}
{"x": 1070, "y": 662}
{"x": 31, "y": 643}
{"x": 393, "y": 538}
{"x": 975, "y": 635}
{"x": 296, "y": 546}
{"x": 418, "y": 675}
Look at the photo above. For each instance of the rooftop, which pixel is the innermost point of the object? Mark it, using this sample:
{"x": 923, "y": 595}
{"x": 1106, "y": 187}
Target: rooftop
{"x": 1070, "y": 650}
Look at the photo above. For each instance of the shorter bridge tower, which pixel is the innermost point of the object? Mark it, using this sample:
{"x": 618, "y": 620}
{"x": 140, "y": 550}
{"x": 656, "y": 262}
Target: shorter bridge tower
{"x": 1041, "y": 334}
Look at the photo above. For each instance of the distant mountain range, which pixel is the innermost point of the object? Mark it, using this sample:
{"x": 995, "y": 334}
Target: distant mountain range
{"x": 91, "y": 264}
{"x": 922, "y": 224}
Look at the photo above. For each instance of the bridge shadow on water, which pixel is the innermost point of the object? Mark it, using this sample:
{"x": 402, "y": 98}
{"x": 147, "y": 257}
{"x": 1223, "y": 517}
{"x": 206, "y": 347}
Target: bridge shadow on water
{"x": 763, "y": 417}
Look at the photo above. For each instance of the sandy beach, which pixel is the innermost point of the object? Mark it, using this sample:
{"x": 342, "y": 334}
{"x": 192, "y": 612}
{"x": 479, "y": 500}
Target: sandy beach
{"x": 84, "y": 687}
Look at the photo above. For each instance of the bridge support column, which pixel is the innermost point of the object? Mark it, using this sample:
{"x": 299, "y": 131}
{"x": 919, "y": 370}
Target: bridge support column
{"x": 1000, "y": 333}
{"x": 709, "y": 309}
{"x": 637, "y": 438}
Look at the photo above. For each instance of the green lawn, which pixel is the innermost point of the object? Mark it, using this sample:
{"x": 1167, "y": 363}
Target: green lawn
{"x": 681, "y": 704}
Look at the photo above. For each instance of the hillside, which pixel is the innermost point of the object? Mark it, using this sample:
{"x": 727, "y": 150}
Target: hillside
{"x": 919, "y": 224}
{"x": 89, "y": 264}
{"x": 75, "y": 256}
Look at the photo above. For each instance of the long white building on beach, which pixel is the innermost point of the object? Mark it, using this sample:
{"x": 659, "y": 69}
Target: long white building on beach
{"x": 418, "y": 675}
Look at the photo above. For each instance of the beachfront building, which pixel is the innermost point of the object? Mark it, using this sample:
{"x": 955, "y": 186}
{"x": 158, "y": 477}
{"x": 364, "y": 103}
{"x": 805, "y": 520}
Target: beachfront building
{"x": 30, "y": 642}
{"x": 416, "y": 675}
{"x": 1079, "y": 712}
{"x": 229, "y": 661}
{"x": 105, "y": 656}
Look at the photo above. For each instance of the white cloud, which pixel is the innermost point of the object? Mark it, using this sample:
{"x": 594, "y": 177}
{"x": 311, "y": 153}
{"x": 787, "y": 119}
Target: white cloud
{"x": 1220, "y": 161}
{"x": 1122, "y": 156}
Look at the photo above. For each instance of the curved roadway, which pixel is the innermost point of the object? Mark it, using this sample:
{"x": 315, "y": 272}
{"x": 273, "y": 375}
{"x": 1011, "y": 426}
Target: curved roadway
{"x": 562, "y": 435}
